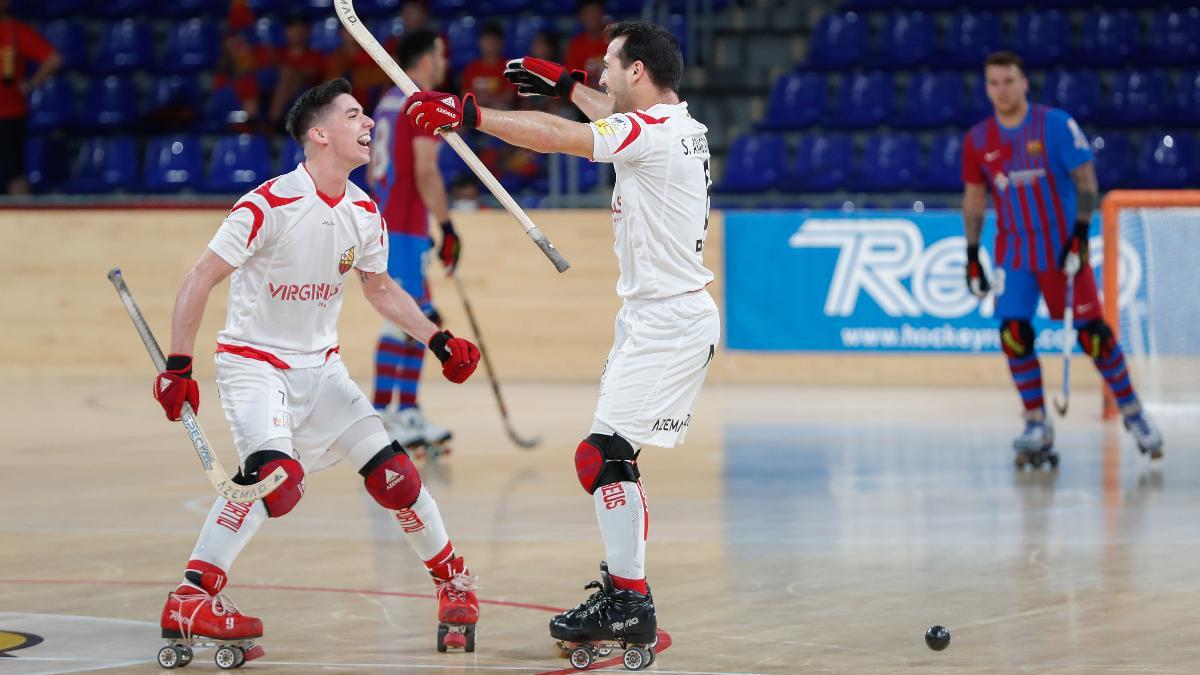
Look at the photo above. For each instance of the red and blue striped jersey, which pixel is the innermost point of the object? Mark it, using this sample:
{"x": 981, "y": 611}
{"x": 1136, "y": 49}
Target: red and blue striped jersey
{"x": 391, "y": 175}
{"x": 1029, "y": 170}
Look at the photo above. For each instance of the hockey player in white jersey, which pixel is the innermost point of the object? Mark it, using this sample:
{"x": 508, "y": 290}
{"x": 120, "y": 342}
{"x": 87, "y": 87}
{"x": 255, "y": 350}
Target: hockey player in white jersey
{"x": 668, "y": 328}
{"x": 289, "y": 247}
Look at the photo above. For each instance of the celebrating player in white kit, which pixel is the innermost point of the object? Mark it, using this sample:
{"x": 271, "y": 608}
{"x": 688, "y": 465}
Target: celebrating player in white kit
{"x": 289, "y": 246}
{"x": 668, "y": 327}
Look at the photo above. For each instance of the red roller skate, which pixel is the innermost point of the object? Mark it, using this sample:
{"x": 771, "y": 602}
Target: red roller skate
{"x": 458, "y": 608}
{"x": 200, "y": 616}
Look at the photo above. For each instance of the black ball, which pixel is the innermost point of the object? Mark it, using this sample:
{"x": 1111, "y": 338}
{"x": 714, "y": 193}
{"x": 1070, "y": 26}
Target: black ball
{"x": 937, "y": 637}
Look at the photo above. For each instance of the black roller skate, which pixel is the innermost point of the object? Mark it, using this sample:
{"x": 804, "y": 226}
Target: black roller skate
{"x": 612, "y": 618}
{"x": 1035, "y": 445}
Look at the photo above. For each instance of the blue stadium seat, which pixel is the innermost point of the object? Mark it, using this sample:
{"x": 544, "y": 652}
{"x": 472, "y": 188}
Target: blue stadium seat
{"x": 192, "y": 45}
{"x": 268, "y": 31}
{"x": 122, "y": 8}
{"x": 172, "y": 91}
{"x": 523, "y": 30}
{"x": 1167, "y": 161}
{"x": 326, "y": 35}
{"x": 377, "y": 8}
{"x": 1077, "y": 92}
{"x": 975, "y": 103}
{"x": 389, "y": 28}
{"x": 589, "y": 177}
{"x": 867, "y": 5}
{"x": 942, "y": 170}
{"x": 1042, "y": 38}
{"x": 173, "y": 163}
{"x": 887, "y": 164}
{"x": 1137, "y": 98}
{"x": 863, "y": 100}
{"x": 124, "y": 46}
{"x": 190, "y": 8}
{"x": 109, "y": 104}
{"x": 907, "y": 41}
{"x": 1107, "y": 38}
{"x": 316, "y": 8}
{"x": 51, "y": 9}
{"x": 1186, "y": 102}
{"x": 1174, "y": 37}
{"x": 932, "y": 100}
{"x": 755, "y": 163}
{"x": 52, "y": 106}
{"x": 104, "y": 165}
{"x": 1112, "y": 160}
{"x": 839, "y": 41}
{"x": 239, "y": 164}
{"x": 796, "y": 102}
{"x": 291, "y": 156}
{"x": 677, "y": 24}
{"x": 70, "y": 39}
{"x": 494, "y": 7}
{"x": 45, "y": 163}
{"x": 934, "y": 5}
{"x": 822, "y": 163}
{"x": 451, "y": 165}
{"x": 970, "y": 37}
{"x": 449, "y": 8}
{"x": 463, "y": 34}
{"x": 265, "y": 7}
{"x": 222, "y": 111}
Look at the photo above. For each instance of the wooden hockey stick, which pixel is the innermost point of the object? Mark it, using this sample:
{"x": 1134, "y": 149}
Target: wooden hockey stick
{"x": 220, "y": 480}
{"x": 1068, "y": 344}
{"x": 362, "y": 35}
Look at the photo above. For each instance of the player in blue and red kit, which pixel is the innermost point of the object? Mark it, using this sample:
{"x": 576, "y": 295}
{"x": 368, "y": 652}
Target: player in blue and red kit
{"x": 1038, "y": 164}
{"x": 405, "y": 180}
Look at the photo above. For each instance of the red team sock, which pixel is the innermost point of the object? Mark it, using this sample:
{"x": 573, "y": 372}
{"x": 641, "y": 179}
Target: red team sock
{"x": 624, "y": 519}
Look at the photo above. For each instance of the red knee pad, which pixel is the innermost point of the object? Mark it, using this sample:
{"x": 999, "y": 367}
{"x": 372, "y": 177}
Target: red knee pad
{"x": 392, "y": 479}
{"x": 285, "y": 497}
{"x": 1017, "y": 338}
{"x": 602, "y": 459}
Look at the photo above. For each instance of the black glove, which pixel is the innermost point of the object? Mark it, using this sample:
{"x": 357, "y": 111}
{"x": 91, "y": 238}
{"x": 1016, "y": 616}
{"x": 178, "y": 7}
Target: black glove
{"x": 451, "y": 249}
{"x": 977, "y": 281}
{"x": 1074, "y": 254}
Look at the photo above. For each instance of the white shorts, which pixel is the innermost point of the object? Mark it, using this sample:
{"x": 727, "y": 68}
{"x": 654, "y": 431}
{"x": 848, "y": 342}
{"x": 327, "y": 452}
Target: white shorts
{"x": 310, "y": 406}
{"x": 656, "y": 367}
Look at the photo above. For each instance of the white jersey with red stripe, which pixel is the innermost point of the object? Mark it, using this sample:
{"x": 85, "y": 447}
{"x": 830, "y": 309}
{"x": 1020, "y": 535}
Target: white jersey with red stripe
{"x": 293, "y": 247}
{"x": 660, "y": 201}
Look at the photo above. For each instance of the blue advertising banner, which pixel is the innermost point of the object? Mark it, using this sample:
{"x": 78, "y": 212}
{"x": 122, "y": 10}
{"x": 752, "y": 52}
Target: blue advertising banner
{"x": 880, "y": 281}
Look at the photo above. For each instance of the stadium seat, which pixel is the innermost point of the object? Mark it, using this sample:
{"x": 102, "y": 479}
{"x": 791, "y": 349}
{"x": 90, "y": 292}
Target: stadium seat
{"x": 524, "y": 29}
{"x": 463, "y": 34}
{"x": 970, "y": 37}
{"x": 70, "y": 40}
{"x": 942, "y": 169}
{"x": 110, "y": 103}
{"x": 1112, "y": 160}
{"x": 122, "y": 8}
{"x": 796, "y": 102}
{"x": 266, "y": 7}
{"x": 1167, "y": 161}
{"x": 1107, "y": 39}
{"x": 866, "y": 5}
{"x": 175, "y": 91}
{"x": 975, "y": 103}
{"x": 316, "y": 8}
{"x": 755, "y": 163}
{"x": 291, "y": 156}
{"x": 1186, "y": 101}
{"x": 377, "y": 8}
{"x": 907, "y": 41}
{"x": 1077, "y": 92}
{"x": 589, "y": 177}
{"x": 494, "y": 7}
{"x": 822, "y": 163}
{"x": 192, "y": 45}
{"x": 52, "y": 9}
{"x": 863, "y": 100}
{"x": 268, "y": 31}
{"x": 1137, "y": 98}
{"x": 239, "y": 164}
{"x": 222, "y": 111}
{"x": 173, "y": 163}
{"x": 887, "y": 163}
{"x": 933, "y": 5}
{"x": 1042, "y": 38}
{"x": 45, "y": 163}
{"x": 326, "y": 35}
{"x": 932, "y": 101}
{"x": 104, "y": 165}
{"x": 1173, "y": 37}
{"x": 677, "y": 25}
{"x": 191, "y": 8}
{"x": 52, "y": 106}
{"x": 839, "y": 41}
{"x": 124, "y": 46}
{"x": 449, "y": 8}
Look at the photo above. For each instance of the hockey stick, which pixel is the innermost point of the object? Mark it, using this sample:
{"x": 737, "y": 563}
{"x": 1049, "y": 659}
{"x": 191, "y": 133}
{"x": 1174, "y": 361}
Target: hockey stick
{"x": 362, "y": 35}
{"x": 220, "y": 480}
{"x": 1060, "y": 404}
{"x": 519, "y": 440}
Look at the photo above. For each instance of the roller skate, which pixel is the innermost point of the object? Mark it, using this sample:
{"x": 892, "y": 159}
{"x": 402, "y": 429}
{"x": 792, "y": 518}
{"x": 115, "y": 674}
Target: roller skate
{"x": 195, "y": 617}
{"x": 437, "y": 439}
{"x": 416, "y": 434}
{"x": 1035, "y": 445}
{"x": 1149, "y": 438}
{"x": 612, "y": 618}
{"x": 458, "y": 608}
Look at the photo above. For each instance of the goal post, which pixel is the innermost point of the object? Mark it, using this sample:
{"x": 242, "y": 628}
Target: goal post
{"x": 1150, "y": 238}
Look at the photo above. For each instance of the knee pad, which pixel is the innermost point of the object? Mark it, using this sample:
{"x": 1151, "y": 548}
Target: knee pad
{"x": 603, "y": 459}
{"x": 1016, "y": 337}
{"x": 391, "y": 478}
{"x": 1097, "y": 339}
{"x": 285, "y": 497}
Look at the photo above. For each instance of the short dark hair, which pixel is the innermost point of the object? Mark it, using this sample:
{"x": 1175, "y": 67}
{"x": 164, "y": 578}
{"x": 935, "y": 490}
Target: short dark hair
{"x": 311, "y": 105}
{"x": 1004, "y": 58}
{"x": 492, "y": 28}
{"x": 654, "y": 46}
{"x": 413, "y": 46}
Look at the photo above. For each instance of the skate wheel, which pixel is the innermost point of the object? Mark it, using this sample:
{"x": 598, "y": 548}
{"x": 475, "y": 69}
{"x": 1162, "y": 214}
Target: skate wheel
{"x": 1036, "y": 461}
{"x": 441, "y": 637}
{"x": 636, "y": 658}
{"x": 170, "y": 657}
{"x": 653, "y": 656}
{"x": 228, "y": 657}
{"x": 581, "y": 657}
{"x": 470, "y": 646}
{"x": 1053, "y": 461}
{"x": 185, "y": 656}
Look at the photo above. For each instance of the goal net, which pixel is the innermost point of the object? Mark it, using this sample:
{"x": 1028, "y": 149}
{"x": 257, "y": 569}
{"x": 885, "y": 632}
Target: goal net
{"x": 1152, "y": 293}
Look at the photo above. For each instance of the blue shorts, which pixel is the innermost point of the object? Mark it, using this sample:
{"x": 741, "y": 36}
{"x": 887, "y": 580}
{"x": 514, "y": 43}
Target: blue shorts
{"x": 408, "y": 254}
{"x": 1018, "y": 292}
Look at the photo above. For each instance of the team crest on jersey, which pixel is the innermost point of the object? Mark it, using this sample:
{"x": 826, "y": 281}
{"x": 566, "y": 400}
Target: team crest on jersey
{"x": 1033, "y": 147}
{"x": 603, "y": 127}
{"x": 346, "y": 261}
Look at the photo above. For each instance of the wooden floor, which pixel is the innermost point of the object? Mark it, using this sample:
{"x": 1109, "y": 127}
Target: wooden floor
{"x": 799, "y": 530}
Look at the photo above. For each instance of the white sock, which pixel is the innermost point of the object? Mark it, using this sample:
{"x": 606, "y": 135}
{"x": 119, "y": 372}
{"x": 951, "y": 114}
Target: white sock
{"x": 423, "y": 527}
{"x": 227, "y": 529}
{"x": 624, "y": 521}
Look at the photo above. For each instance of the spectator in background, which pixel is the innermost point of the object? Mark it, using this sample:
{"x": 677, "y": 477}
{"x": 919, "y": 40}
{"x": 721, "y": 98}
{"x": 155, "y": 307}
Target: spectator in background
{"x": 354, "y": 64}
{"x": 484, "y": 76}
{"x": 300, "y": 67}
{"x": 415, "y": 15}
{"x": 237, "y": 69}
{"x": 586, "y": 50}
{"x": 19, "y": 44}
{"x": 464, "y": 193}
{"x": 546, "y": 46}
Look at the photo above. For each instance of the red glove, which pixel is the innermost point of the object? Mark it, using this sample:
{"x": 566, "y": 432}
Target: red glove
{"x": 175, "y": 385}
{"x": 451, "y": 249}
{"x": 458, "y": 356}
{"x": 438, "y": 111}
{"x": 537, "y": 77}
